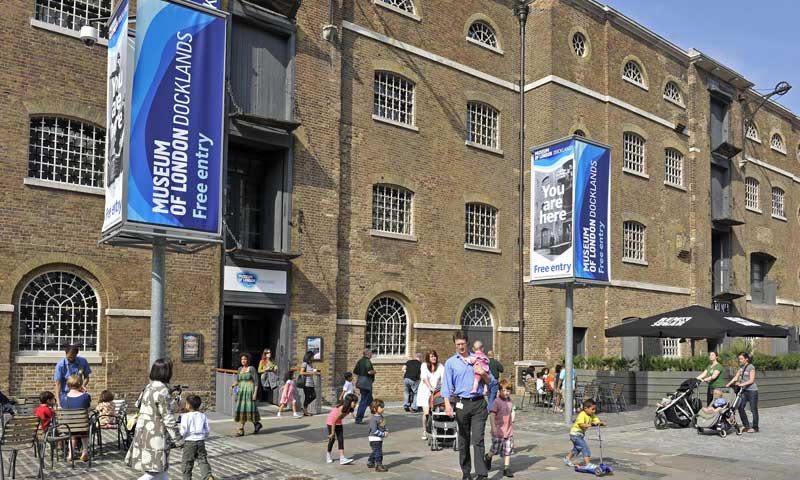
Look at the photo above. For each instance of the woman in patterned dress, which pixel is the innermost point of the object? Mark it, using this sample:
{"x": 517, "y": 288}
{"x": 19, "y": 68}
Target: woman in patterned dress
{"x": 246, "y": 409}
{"x": 149, "y": 451}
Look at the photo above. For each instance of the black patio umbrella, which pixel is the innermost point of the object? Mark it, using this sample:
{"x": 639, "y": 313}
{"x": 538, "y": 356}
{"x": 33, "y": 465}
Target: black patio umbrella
{"x": 695, "y": 322}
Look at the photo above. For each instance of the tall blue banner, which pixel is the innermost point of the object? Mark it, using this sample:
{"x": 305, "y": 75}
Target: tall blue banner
{"x": 177, "y": 118}
{"x": 570, "y": 212}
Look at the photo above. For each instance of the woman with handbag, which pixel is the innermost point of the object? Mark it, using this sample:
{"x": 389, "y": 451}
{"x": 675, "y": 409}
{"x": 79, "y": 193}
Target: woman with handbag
{"x": 431, "y": 382}
{"x": 268, "y": 370}
{"x": 305, "y": 380}
{"x": 246, "y": 388}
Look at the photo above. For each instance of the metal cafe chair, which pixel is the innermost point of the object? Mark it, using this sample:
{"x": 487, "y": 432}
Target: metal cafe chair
{"x": 19, "y": 433}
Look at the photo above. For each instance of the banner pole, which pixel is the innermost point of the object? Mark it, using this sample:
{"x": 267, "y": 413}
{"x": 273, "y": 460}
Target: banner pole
{"x": 568, "y": 356}
{"x": 157, "y": 278}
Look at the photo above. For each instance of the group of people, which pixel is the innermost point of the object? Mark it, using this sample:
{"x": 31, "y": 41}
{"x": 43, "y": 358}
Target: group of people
{"x": 550, "y": 385}
{"x": 745, "y": 379}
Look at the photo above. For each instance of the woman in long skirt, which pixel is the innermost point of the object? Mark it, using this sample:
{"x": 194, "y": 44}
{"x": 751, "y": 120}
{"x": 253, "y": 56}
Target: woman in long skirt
{"x": 246, "y": 409}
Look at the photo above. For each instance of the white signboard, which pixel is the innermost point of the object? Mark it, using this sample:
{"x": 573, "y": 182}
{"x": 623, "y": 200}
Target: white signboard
{"x": 254, "y": 280}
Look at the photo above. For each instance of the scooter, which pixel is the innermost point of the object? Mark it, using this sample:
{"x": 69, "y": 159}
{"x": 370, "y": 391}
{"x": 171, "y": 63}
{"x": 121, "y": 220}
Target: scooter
{"x": 600, "y": 469}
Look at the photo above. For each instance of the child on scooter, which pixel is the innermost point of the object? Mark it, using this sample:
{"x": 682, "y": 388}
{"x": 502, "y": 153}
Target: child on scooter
{"x": 586, "y": 419}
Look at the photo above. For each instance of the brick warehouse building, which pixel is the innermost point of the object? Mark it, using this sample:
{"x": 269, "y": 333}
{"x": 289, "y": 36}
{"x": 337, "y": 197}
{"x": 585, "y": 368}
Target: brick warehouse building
{"x": 366, "y": 240}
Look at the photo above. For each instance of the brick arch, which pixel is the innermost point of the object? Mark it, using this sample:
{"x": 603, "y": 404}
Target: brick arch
{"x": 67, "y": 109}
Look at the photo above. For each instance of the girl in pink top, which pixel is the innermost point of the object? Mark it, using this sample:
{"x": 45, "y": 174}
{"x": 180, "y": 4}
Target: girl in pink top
{"x": 287, "y": 395}
{"x": 335, "y": 429}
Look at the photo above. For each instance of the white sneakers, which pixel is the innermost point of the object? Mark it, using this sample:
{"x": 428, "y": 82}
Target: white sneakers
{"x": 278, "y": 414}
{"x": 345, "y": 461}
{"x": 297, "y": 415}
{"x": 328, "y": 458}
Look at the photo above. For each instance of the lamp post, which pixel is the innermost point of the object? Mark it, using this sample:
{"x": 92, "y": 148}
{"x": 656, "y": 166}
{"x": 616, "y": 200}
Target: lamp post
{"x": 747, "y": 116}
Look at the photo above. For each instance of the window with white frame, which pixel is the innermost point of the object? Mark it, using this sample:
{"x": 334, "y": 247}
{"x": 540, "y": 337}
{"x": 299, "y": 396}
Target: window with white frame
{"x": 71, "y": 14}
{"x": 673, "y": 93}
{"x": 482, "y": 33}
{"x": 633, "y": 241}
{"x": 579, "y": 44}
{"x": 392, "y": 209}
{"x": 57, "y": 309}
{"x": 670, "y": 347}
{"x": 633, "y": 72}
{"x": 751, "y": 193}
{"x": 777, "y": 203}
{"x": 483, "y": 125}
{"x": 387, "y": 326}
{"x": 673, "y": 167}
{"x": 476, "y": 314}
{"x": 481, "y": 225}
{"x": 394, "y": 98}
{"x": 66, "y": 151}
{"x": 752, "y": 132}
{"x": 404, "y": 5}
{"x": 633, "y": 152}
{"x": 776, "y": 142}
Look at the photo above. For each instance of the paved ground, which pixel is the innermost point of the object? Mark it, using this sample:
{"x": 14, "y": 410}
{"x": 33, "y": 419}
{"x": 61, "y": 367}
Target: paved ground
{"x": 291, "y": 448}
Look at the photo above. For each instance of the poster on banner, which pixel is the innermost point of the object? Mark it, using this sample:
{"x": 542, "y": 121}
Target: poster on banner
{"x": 177, "y": 122}
{"x": 118, "y": 91}
{"x": 570, "y": 212}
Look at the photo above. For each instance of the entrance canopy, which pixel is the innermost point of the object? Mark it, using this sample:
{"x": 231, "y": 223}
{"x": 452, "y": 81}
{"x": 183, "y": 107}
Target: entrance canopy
{"x": 695, "y": 322}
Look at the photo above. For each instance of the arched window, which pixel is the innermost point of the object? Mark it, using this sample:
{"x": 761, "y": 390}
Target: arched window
{"x": 776, "y": 143}
{"x": 476, "y": 314}
{"x": 752, "y": 132}
{"x": 633, "y": 72}
{"x": 71, "y": 14}
{"x": 673, "y": 93}
{"x": 394, "y": 98}
{"x": 57, "y": 309}
{"x": 579, "y": 133}
{"x": 483, "y": 125}
{"x": 481, "y": 33}
{"x": 387, "y": 325}
{"x": 481, "y": 225}
{"x": 403, "y": 5}
{"x": 751, "y": 194}
{"x": 579, "y": 44}
{"x": 66, "y": 151}
{"x": 633, "y": 241}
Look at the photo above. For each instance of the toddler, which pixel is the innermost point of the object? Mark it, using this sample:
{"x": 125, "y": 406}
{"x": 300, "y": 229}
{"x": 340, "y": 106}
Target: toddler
{"x": 502, "y": 416}
{"x": 347, "y": 389}
{"x": 586, "y": 419}
{"x": 105, "y": 410}
{"x": 717, "y": 404}
{"x": 478, "y": 358}
{"x": 287, "y": 394}
{"x": 47, "y": 402}
{"x": 194, "y": 430}
{"x": 377, "y": 432}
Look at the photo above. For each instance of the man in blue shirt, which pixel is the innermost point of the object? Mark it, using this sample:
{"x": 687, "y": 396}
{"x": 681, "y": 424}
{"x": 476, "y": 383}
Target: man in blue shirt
{"x": 470, "y": 409}
{"x": 71, "y": 364}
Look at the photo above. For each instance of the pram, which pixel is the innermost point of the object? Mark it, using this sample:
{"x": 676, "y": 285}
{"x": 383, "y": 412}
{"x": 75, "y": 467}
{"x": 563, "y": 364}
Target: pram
{"x": 441, "y": 427}
{"x": 724, "y": 420}
{"x": 679, "y": 407}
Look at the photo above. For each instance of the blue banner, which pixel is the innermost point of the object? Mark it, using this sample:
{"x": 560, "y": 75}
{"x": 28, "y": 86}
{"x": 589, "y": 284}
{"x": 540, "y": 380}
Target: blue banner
{"x": 177, "y": 120}
{"x": 592, "y": 212}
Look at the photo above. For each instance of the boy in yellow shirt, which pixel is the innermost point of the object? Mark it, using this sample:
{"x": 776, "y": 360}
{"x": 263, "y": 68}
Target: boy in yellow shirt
{"x": 586, "y": 419}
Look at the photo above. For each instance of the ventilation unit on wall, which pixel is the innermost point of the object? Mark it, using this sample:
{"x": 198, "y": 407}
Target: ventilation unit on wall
{"x": 682, "y": 246}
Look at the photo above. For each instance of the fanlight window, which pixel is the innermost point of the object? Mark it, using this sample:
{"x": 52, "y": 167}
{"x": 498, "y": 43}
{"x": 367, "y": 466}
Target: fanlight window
{"x": 776, "y": 142}
{"x": 579, "y": 44}
{"x": 482, "y": 33}
{"x": 672, "y": 92}
{"x": 633, "y": 72}
{"x": 404, "y": 5}
{"x": 476, "y": 314}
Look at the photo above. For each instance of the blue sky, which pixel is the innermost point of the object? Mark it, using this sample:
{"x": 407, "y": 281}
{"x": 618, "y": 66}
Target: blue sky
{"x": 758, "y": 39}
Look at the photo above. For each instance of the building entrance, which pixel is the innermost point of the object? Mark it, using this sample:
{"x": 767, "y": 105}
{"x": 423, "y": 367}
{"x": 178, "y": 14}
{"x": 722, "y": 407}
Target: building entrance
{"x": 250, "y": 330}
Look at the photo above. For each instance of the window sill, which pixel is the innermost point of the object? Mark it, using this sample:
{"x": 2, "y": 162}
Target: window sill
{"x": 394, "y": 236}
{"x": 390, "y": 360}
{"x": 676, "y": 186}
{"x": 633, "y": 261}
{"x": 484, "y": 148}
{"x": 496, "y": 50}
{"x": 36, "y": 182}
{"x": 754, "y": 140}
{"x": 63, "y": 31}
{"x": 643, "y": 87}
{"x": 782, "y": 152}
{"x": 635, "y": 173}
{"x": 394, "y": 9}
{"x": 478, "y": 248}
{"x": 778, "y": 217}
{"x": 674, "y": 102}
{"x": 413, "y": 128}
{"x": 754, "y": 210}
{"x": 53, "y": 357}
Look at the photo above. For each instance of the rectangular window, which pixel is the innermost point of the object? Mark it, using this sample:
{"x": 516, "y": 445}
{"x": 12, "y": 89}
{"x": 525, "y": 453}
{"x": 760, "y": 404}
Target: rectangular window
{"x": 777, "y": 203}
{"x": 673, "y": 167}
{"x": 392, "y": 209}
{"x": 751, "y": 194}
{"x": 633, "y": 241}
{"x": 394, "y": 98}
{"x": 670, "y": 347}
{"x": 633, "y": 153}
{"x": 71, "y": 14}
{"x": 481, "y": 225}
{"x": 66, "y": 151}
{"x": 483, "y": 125}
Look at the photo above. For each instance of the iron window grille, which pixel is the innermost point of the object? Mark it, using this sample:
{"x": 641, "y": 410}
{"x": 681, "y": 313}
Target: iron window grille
{"x": 481, "y": 225}
{"x": 387, "y": 325}
{"x": 673, "y": 167}
{"x": 633, "y": 241}
{"x": 57, "y": 309}
{"x": 633, "y": 152}
{"x": 751, "y": 193}
{"x": 483, "y": 125}
{"x": 394, "y": 98}
{"x": 392, "y": 209}
{"x": 67, "y": 151}
{"x": 404, "y": 5}
{"x": 579, "y": 45}
{"x": 670, "y": 347}
{"x": 776, "y": 142}
{"x": 476, "y": 314}
{"x": 752, "y": 132}
{"x": 71, "y": 14}
{"x": 672, "y": 92}
{"x": 483, "y": 34}
{"x": 777, "y": 203}
{"x": 633, "y": 73}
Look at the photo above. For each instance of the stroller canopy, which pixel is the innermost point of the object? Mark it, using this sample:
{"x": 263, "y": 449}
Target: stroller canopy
{"x": 695, "y": 322}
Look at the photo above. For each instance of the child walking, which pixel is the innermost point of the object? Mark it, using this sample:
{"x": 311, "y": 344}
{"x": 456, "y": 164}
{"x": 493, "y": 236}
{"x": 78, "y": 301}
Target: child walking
{"x": 335, "y": 429}
{"x": 287, "y": 394}
{"x": 502, "y": 416}
{"x": 105, "y": 410}
{"x": 586, "y": 419}
{"x": 347, "y": 388}
{"x": 377, "y": 432}
{"x": 194, "y": 430}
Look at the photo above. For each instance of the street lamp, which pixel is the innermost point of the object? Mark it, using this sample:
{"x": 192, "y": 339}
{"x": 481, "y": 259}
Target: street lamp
{"x": 747, "y": 116}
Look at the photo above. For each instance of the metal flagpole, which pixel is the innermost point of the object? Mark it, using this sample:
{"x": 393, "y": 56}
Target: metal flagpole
{"x": 157, "y": 300}
{"x": 568, "y": 356}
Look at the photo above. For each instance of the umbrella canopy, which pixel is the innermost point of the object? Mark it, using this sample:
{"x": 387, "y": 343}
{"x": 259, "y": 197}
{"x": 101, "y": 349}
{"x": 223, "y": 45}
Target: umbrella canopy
{"x": 695, "y": 322}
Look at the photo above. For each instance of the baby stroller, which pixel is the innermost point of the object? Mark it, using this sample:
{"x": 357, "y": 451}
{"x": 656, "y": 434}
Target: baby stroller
{"x": 679, "y": 407}
{"x": 724, "y": 420}
{"x": 441, "y": 428}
